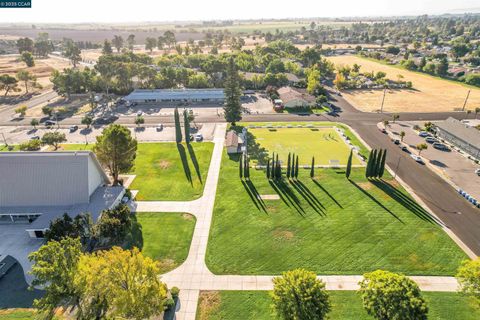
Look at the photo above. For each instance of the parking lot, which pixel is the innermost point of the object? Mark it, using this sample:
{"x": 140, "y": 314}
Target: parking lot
{"x": 452, "y": 165}
{"x": 17, "y": 135}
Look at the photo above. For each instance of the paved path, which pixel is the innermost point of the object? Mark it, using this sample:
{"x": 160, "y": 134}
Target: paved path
{"x": 193, "y": 275}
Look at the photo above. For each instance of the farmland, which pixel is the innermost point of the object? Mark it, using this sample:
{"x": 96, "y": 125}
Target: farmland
{"x": 429, "y": 94}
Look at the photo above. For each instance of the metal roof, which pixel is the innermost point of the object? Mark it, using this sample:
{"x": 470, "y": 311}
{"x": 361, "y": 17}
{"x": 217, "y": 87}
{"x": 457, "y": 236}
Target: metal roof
{"x": 461, "y": 131}
{"x": 48, "y": 178}
{"x": 176, "y": 94}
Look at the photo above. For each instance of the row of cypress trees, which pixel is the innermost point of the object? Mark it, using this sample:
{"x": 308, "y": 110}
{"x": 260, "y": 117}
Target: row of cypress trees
{"x": 274, "y": 168}
{"x": 292, "y": 166}
{"x": 244, "y": 166}
{"x": 178, "y": 128}
{"x": 376, "y": 163}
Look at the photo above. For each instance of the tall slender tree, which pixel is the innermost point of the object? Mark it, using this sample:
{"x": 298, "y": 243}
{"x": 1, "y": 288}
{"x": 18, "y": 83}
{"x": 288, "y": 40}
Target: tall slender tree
{"x": 373, "y": 165}
{"x": 348, "y": 170}
{"x": 240, "y": 167}
{"x": 277, "y": 168}
{"x": 312, "y": 168}
{"x": 268, "y": 169}
{"x": 178, "y": 129}
{"x": 233, "y": 92}
{"x": 369, "y": 165}
{"x": 292, "y": 167}
{"x": 186, "y": 123}
{"x": 296, "y": 167}
{"x": 378, "y": 167}
{"x": 382, "y": 166}
{"x": 288, "y": 166}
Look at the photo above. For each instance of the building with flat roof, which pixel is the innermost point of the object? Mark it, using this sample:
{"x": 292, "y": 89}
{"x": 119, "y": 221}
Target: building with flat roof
{"x": 460, "y": 135}
{"x": 37, "y": 187}
{"x": 176, "y": 95}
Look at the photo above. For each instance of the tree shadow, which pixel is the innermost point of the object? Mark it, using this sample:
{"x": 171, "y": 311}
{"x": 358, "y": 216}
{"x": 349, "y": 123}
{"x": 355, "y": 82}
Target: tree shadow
{"x": 308, "y": 196}
{"x": 287, "y": 195}
{"x": 195, "y": 162}
{"x": 14, "y": 290}
{"x": 327, "y": 193}
{"x": 254, "y": 195}
{"x": 405, "y": 201}
{"x": 183, "y": 157}
{"x": 375, "y": 200}
{"x": 134, "y": 236}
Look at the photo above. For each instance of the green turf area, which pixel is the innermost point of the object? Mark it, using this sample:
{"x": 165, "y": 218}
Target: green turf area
{"x": 14, "y": 147}
{"x": 166, "y": 237}
{"x": 17, "y": 314}
{"x": 323, "y": 143}
{"x": 328, "y": 225}
{"x": 346, "y": 305}
{"x": 165, "y": 171}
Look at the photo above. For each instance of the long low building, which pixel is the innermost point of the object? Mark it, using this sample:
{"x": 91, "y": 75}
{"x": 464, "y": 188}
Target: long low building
{"x": 460, "y": 135}
{"x": 176, "y": 95}
{"x": 37, "y": 187}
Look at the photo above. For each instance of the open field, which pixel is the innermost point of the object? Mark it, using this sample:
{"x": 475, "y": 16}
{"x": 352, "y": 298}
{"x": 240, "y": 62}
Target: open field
{"x": 329, "y": 225}
{"x": 429, "y": 93}
{"x": 323, "y": 143}
{"x": 165, "y": 172}
{"x": 166, "y": 237}
{"x": 42, "y": 70}
{"x": 346, "y": 305}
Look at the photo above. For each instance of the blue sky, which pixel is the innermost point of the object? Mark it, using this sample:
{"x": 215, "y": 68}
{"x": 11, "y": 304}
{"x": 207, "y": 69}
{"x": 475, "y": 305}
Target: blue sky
{"x": 184, "y": 10}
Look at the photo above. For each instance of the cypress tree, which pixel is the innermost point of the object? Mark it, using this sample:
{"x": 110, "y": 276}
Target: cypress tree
{"x": 247, "y": 167}
{"x": 373, "y": 164}
{"x": 382, "y": 165}
{"x": 349, "y": 165}
{"x": 272, "y": 174}
{"x": 277, "y": 165}
{"x": 178, "y": 130}
{"x": 296, "y": 168}
{"x": 268, "y": 169}
{"x": 240, "y": 167}
{"x": 312, "y": 169}
{"x": 292, "y": 166}
{"x": 288, "y": 166}
{"x": 186, "y": 124}
{"x": 378, "y": 165}
{"x": 369, "y": 165}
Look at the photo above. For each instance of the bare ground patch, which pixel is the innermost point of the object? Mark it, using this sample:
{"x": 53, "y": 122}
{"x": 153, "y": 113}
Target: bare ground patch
{"x": 188, "y": 216}
{"x": 209, "y": 301}
{"x": 164, "y": 164}
{"x": 167, "y": 264}
{"x": 281, "y": 234}
{"x": 365, "y": 185}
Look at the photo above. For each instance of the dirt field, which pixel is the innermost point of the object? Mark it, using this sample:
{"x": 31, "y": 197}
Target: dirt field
{"x": 429, "y": 94}
{"x": 43, "y": 69}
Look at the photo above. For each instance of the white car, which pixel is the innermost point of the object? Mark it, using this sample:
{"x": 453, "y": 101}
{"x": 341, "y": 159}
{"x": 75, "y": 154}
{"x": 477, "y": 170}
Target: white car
{"x": 417, "y": 158}
{"x": 139, "y": 113}
{"x": 198, "y": 137}
{"x": 477, "y": 172}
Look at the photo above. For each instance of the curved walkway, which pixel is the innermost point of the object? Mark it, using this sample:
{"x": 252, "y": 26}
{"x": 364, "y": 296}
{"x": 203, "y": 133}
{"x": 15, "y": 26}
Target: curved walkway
{"x": 193, "y": 275}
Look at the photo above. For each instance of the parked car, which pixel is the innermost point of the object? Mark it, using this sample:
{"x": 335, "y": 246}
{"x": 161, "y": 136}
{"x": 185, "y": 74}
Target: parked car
{"x": 34, "y": 138}
{"x": 441, "y": 146}
{"x": 477, "y": 172}
{"x": 73, "y": 128}
{"x": 159, "y": 127}
{"x": 396, "y": 141}
{"x": 198, "y": 137}
{"x": 105, "y": 120}
{"x": 382, "y": 130}
{"x": 424, "y": 134}
{"x": 50, "y": 123}
{"x": 417, "y": 158}
{"x": 405, "y": 149}
{"x": 431, "y": 140}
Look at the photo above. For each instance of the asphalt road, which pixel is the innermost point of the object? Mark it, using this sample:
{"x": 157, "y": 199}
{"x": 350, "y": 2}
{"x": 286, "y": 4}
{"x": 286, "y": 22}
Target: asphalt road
{"x": 461, "y": 217}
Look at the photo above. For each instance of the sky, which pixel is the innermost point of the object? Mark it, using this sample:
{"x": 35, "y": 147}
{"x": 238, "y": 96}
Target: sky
{"x": 75, "y": 11}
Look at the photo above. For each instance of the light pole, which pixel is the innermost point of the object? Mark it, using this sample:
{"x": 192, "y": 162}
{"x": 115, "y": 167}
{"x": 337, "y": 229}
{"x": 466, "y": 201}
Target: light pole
{"x": 4, "y": 140}
{"x": 396, "y": 169}
{"x": 466, "y": 99}
{"x": 383, "y": 99}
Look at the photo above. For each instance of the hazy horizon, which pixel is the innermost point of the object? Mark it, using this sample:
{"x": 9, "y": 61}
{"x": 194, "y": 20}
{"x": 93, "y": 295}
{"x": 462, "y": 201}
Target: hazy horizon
{"x": 149, "y": 11}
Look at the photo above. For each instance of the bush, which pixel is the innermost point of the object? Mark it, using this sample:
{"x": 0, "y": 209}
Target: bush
{"x": 32, "y": 145}
{"x": 174, "y": 291}
{"x": 169, "y": 303}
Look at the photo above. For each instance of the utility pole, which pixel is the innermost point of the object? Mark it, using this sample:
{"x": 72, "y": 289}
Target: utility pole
{"x": 383, "y": 99}
{"x": 396, "y": 169}
{"x": 4, "y": 140}
{"x": 466, "y": 99}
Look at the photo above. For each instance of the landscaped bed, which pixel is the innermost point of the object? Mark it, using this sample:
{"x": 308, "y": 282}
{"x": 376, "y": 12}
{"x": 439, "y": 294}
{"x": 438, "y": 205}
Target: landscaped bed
{"x": 167, "y": 171}
{"x": 346, "y": 305}
{"x": 329, "y": 225}
{"x": 166, "y": 237}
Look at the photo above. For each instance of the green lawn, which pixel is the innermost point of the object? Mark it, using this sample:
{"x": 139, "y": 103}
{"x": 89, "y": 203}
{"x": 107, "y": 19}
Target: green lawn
{"x": 17, "y": 314}
{"x": 346, "y": 305}
{"x": 166, "y": 237}
{"x": 167, "y": 172}
{"x": 328, "y": 225}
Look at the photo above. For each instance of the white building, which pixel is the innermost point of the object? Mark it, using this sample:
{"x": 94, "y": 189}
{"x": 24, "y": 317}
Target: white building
{"x": 37, "y": 187}
{"x": 176, "y": 95}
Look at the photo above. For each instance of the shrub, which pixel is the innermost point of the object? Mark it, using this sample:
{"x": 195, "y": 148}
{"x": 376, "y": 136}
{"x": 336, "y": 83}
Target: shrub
{"x": 32, "y": 145}
{"x": 174, "y": 291}
{"x": 169, "y": 303}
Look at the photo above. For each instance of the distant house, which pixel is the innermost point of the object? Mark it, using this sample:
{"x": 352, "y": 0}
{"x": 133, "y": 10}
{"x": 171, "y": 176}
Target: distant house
{"x": 293, "y": 80}
{"x": 233, "y": 142}
{"x": 176, "y": 95}
{"x": 460, "y": 135}
{"x": 295, "y": 98}
{"x": 37, "y": 187}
